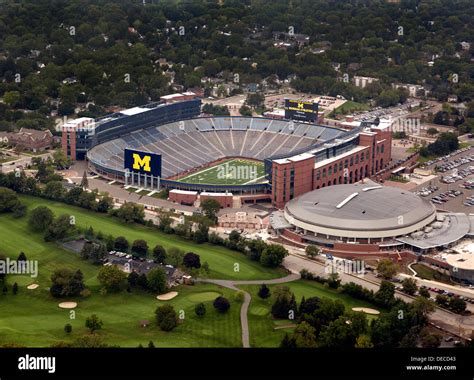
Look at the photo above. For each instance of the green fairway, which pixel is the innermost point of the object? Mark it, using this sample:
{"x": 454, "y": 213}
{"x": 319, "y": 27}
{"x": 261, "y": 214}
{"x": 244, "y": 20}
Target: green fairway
{"x": 223, "y": 263}
{"x": 262, "y": 325}
{"x": 32, "y": 318}
{"x": 231, "y": 172}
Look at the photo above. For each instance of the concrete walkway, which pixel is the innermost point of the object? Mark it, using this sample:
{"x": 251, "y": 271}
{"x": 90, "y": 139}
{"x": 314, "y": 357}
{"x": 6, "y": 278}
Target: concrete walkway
{"x": 230, "y": 284}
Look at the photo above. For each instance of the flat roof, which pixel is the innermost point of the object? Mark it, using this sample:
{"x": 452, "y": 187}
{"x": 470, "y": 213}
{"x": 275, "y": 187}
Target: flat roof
{"x": 134, "y": 111}
{"x": 380, "y": 209}
{"x": 216, "y": 194}
{"x": 455, "y": 227}
{"x": 187, "y": 192}
{"x": 464, "y": 260}
{"x": 328, "y": 161}
{"x": 299, "y": 157}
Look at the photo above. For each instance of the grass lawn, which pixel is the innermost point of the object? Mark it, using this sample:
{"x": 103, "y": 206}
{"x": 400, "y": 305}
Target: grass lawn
{"x": 262, "y": 325}
{"x": 430, "y": 274}
{"x": 349, "y": 107}
{"x": 222, "y": 261}
{"x": 32, "y": 318}
{"x": 231, "y": 172}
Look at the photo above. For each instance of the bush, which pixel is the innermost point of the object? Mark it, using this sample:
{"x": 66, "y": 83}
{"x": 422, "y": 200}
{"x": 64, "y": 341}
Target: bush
{"x": 200, "y": 309}
{"x": 68, "y": 328}
{"x": 40, "y": 218}
{"x": 221, "y": 304}
{"x": 166, "y": 317}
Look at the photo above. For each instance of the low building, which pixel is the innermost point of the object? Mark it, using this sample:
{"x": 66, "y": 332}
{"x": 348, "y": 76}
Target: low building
{"x": 224, "y": 199}
{"x": 363, "y": 81}
{"x": 32, "y": 139}
{"x": 183, "y": 197}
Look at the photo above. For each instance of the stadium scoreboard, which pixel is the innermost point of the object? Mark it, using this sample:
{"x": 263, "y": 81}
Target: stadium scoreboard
{"x": 136, "y": 161}
{"x": 301, "y": 110}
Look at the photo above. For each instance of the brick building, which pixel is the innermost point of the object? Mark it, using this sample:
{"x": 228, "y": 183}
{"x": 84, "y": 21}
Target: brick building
{"x": 293, "y": 176}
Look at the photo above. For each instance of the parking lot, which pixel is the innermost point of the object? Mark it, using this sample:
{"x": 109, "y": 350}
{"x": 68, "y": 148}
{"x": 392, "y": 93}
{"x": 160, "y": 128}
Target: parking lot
{"x": 453, "y": 188}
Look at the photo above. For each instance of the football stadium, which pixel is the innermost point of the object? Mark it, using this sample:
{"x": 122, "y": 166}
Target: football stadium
{"x": 173, "y": 145}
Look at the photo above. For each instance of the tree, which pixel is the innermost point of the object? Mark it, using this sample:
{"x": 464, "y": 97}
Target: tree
{"x": 93, "y": 251}
{"x": 8, "y": 200}
{"x": 387, "y": 268}
{"x": 334, "y": 280}
{"x": 363, "y": 341}
{"x": 424, "y": 292}
{"x": 288, "y": 342}
{"x": 159, "y": 253}
{"x": 210, "y": 207}
{"x": 166, "y": 317}
{"x": 442, "y": 300}
{"x": 409, "y": 286}
{"x": 157, "y": 280}
{"x": 221, "y": 304}
{"x": 205, "y": 267}
{"x": 305, "y": 335}
{"x": 312, "y": 251}
{"x": 93, "y": 323}
{"x": 68, "y": 328}
{"x": 385, "y": 296}
{"x": 174, "y": 257}
{"x": 130, "y": 212}
{"x": 133, "y": 279}
{"x": 285, "y": 304}
{"x": 192, "y": 260}
{"x": 84, "y": 181}
{"x": 139, "y": 248}
{"x": 66, "y": 283}
{"x": 457, "y": 305}
{"x": 112, "y": 278}
{"x": 142, "y": 281}
{"x": 151, "y": 344}
{"x": 200, "y": 309}
{"x": 22, "y": 257}
{"x": 59, "y": 228}
{"x": 105, "y": 203}
{"x": 429, "y": 340}
{"x": 264, "y": 292}
{"x": 273, "y": 255}
{"x": 121, "y": 244}
{"x": 432, "y": 131}
{"x": 54, "y": 190}
{"x": 40, "y": 218}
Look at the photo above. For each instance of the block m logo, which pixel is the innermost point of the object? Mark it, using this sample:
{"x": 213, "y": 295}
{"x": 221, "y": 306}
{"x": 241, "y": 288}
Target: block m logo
{"x": 300, "y": 105}
{"x": 141, "y": 162}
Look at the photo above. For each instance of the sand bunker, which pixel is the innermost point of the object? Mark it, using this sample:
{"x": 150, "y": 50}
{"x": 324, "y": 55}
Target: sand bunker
{"x": 167, "y": 296}
{"x": 32, "y": 286}
{"x": 67, "y": 305}
{"x": 366, "y": 310}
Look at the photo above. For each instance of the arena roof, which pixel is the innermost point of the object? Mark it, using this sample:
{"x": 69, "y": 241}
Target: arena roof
{"x": 361, "y": 207}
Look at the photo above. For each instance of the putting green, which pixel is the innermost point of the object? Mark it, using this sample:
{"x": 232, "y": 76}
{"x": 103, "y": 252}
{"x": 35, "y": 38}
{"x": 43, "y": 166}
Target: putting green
{"x": 259, "y": 310}
{"x": 203, "y": 296}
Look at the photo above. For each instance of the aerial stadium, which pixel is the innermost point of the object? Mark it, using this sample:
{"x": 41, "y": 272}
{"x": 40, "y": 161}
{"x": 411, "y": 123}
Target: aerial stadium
{"x": 283, "y": 158}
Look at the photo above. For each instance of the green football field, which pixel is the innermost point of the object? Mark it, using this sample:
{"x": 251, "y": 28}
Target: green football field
{"x": 231, "y": 172}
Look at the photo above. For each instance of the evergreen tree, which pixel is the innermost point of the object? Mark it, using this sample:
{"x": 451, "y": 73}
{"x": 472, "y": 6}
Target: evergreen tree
{"x": 84, "y": 181}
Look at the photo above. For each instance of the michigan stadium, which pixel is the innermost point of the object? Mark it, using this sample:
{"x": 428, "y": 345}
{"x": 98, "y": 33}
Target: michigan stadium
{"x": 173, "y": 145}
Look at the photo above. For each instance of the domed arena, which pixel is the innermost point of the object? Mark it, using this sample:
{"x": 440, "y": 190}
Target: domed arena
{"x": 359, "y": 211}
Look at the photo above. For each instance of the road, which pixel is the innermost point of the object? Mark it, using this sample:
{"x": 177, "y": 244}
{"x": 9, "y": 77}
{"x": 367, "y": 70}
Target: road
{"x": 454, "y": 323}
